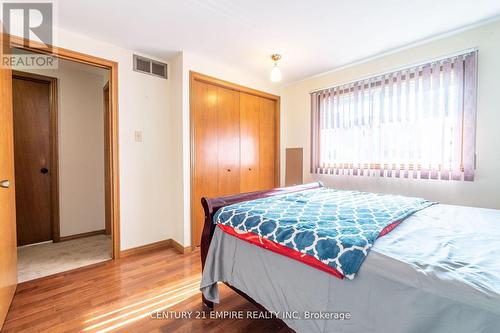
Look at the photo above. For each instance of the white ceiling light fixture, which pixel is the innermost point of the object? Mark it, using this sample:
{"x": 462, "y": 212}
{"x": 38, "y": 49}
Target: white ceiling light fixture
{"x": 276, "y": 72}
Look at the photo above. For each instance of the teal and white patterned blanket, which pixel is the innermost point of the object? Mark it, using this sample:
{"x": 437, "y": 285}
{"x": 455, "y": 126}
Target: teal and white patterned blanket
{"x": 336, "y": 227}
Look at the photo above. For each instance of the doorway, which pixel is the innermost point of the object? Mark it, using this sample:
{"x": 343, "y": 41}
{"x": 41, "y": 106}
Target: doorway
{"x": 110, "y": 152}
{"x": 112, "y": 148}
{"x": 61, "y": 155}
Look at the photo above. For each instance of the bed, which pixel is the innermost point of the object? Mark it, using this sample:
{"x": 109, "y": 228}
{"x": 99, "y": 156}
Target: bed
{"x": 438, "y": 271}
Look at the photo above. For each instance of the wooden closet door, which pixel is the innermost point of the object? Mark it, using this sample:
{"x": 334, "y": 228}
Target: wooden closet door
{"x": 267, "y": 137}
{"x": 205, "y": 146}
{"x": 233, "y": 139}
{"x": 228, "y": 138}
{"x": 249, "y": 143}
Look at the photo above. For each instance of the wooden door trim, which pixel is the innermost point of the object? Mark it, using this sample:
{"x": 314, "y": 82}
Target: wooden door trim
{"x": 112, "y": 66}
{"x": 53, "y": 144}
{"x": 230, "y": 85}
{"x": 195, "y": 76}
{"x": 107, "y": 159}
{"x": 277, "y": 146}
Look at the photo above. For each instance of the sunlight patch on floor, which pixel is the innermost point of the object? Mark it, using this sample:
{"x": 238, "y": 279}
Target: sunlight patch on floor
{"x": 142, "y": 309}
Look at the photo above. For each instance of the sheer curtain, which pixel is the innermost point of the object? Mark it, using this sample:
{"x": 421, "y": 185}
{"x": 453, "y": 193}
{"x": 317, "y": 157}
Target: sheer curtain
{"x": 417, "y": 122}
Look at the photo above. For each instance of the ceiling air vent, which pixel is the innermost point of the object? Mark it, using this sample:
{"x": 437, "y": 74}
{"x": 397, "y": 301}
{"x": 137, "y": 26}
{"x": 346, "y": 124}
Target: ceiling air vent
{"x": 150, "y": 66}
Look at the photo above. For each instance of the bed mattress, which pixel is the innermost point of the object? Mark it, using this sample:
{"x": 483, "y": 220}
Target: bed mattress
{"x": 439, "y": 271}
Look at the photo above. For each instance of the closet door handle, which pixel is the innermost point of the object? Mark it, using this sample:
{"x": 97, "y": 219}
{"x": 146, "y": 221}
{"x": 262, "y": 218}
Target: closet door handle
{"x": 5, "y": 183}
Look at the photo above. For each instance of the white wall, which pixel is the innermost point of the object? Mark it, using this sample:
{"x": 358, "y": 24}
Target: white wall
{"x": 143, "y": 104}
{"x": 81, "y": 146}
{"x": 81, "y": 151}
{"x": 483, "y": 191}
{"x": 181, "y": 67}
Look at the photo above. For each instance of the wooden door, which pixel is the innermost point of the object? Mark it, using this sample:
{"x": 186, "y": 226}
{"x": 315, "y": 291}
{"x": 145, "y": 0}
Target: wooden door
{"x": 31, "y": 106}
{"x": 268, "y": 139}
{"x": 205, "y": 147}
{"x": 228, "y": 138}
{"x": 249, "y": 143}
{"x": 8, "y": 251}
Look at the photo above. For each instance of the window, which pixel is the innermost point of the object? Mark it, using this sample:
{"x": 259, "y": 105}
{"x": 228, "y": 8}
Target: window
{"x": 417, "y": 122}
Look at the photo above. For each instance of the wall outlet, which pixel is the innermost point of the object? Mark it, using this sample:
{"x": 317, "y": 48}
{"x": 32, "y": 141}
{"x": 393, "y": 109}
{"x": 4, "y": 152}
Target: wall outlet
{"x": 138, "y": 136}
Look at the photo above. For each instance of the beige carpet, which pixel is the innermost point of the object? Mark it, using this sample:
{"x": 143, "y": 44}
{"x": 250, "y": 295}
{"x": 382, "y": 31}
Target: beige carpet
{"x": 49, "y": 258}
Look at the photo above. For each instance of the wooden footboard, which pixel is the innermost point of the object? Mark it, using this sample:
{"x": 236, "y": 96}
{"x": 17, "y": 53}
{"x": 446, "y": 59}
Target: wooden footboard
{"x": 212, "y": 205}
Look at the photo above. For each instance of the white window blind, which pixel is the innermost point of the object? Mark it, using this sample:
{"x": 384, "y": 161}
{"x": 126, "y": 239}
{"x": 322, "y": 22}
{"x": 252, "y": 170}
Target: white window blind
{"x": 417, "y": 122}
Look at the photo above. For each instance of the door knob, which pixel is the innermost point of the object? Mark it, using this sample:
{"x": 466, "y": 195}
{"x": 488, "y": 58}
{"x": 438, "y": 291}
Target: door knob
{"x": 44, "y": 170}
{"x": 5, "y": 183}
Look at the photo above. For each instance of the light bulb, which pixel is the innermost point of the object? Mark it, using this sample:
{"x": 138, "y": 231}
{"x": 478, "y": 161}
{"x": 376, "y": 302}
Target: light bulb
{"x": 275, "y": 74}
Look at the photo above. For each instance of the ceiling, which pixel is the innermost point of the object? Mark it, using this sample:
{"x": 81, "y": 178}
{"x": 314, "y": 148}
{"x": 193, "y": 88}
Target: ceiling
{"x": 312, "y": 35}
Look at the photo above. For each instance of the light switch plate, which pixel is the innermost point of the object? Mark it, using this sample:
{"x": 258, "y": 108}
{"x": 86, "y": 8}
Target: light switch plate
{"x": 138, "y": 136}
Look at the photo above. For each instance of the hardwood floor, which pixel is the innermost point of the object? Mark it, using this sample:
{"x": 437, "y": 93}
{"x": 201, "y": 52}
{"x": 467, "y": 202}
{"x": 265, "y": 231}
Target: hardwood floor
{"x": 119, "y": 296}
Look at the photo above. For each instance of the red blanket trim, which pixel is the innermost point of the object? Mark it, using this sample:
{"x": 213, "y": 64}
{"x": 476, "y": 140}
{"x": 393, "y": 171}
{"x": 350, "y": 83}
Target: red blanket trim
{"x": 389, "y": 228}
{"x": 265, "y": 243}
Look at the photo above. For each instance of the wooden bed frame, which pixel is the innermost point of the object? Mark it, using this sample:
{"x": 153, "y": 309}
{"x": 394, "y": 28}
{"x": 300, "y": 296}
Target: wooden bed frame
{"x": 212, "y": 205}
